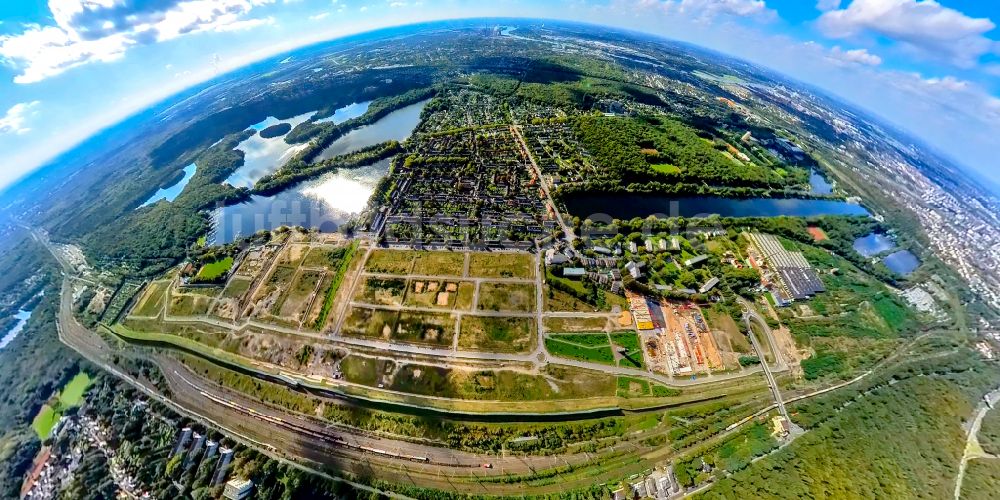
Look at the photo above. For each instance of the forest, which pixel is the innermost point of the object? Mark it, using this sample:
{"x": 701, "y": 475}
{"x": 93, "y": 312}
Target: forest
{"x": 902, "y": 439}
{"x": 662, "y": 149}
{"x": 32, "y": 366}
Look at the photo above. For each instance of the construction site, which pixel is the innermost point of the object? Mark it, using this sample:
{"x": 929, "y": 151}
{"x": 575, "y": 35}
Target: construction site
{"x": 675, "y": 336}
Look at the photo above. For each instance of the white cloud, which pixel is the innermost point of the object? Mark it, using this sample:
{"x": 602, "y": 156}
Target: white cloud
{"x": 700, "y": 9}
{"x": 855, "y": 56}
{"x": 318, "y": 17}
{"x": 825, "y": 5}
{"x": 924, "y": 26}
{"x": 13, "y": 121}
{"x": 103, "y": 30}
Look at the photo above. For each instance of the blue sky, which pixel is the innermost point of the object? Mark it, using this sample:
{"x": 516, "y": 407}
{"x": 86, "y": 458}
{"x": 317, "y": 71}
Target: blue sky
{"x": 69, "y": 68}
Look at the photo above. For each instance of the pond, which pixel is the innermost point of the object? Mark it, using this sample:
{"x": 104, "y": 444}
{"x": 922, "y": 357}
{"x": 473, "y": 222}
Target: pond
{"x": 172, "y": 192}
{"x": 902, "y": 262}
{"x": 324, "y": 203}
{"x": 873, "y": 244}
{"x": 397, "y": 125}
{"x": 264, "y": 156}
{"x": 345, "y": 113}
{"x": 22, "y": 317}
{"x": 629, "y": 206}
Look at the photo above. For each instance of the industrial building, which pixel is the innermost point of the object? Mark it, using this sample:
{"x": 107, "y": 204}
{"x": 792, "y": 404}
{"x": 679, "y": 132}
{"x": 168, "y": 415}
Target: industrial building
{"x": 789, "y": 273}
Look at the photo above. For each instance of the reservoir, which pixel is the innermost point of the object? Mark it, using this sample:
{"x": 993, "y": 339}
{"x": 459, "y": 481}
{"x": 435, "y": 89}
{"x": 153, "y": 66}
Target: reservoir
{"x": 171, "y": 192}
{"x": 873, "y": 244}
{"x": 629, "y": 206}
{"x": 902, "y": 262}
{"x": 397, "y": 126}
{"x": 22, "y": 317}
{"x": 346, "y": 113}
{"x": 264, "y": 156}
{"x": 324, "y": 203}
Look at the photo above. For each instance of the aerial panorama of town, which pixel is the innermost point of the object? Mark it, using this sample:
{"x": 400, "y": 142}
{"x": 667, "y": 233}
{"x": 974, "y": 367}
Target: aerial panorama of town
{"x": 505, "y": 259}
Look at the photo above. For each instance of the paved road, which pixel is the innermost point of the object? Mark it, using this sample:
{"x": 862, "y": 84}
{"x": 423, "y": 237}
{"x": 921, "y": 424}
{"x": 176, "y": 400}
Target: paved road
{"x": 748, "y": 315}
{"x": 567, "y": 231}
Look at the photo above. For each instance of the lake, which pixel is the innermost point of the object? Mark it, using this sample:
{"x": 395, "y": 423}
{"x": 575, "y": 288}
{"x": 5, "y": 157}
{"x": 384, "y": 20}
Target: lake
{"x": 264, "y": 156}
{"x": 819, "y": 184}
{"x": 22, "y": 317}
{"x": 397, "y": 126}
{"x": 629, "y": 206}
{"x": 902, "y": 262}
{"x": 345, "y": 113}
{"x": 325, "y": 203}
{"x": 172, "y": 192}
{"x": 873, "y": 244}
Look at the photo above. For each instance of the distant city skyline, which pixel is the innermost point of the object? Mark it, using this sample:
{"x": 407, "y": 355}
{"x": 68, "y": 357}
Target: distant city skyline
{"x": 75, "y": 67}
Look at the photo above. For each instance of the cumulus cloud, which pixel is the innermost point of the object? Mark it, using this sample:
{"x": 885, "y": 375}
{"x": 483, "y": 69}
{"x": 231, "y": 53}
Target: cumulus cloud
{"x": 855, "y": 56}
{"x": 702, "y": 9}
{"x": 926, "y": 26}
{"x": 320, "y": 16}
{"x": 13, "y": 122}
{"x": 103, "y": 30}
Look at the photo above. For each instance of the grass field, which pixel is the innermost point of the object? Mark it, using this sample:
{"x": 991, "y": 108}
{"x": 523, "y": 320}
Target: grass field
{"x": 189, "y": 304}
{"x": 237, "y": 287}
{"x": 386, "y": 291}
{"x": 511, "y": 297}
{"x": 629, "y": 387}
{"x": 438, "y": 263}
{"x": 575, "y": 324}
{"x": 152, "y": 299}
{"x": 390, "y": 261}
{"x": 501, "y": 265}
{"x": 295, "y": 299}
{"x": 70, "y": 396}
{"x": 482, "y": 333}
{"x": 630, "y": 342}
{"x": 436, "y": 329}
{"x": 593, "y": 348}
{"x": 365, "y": 322}
{"x": 215, "y": 270}
{"x": 324, "y": 257}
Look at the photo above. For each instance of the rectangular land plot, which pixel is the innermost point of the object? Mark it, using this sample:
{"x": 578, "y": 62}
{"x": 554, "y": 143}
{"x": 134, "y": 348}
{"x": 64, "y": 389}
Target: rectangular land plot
{"x": 324, "y": 257}
{"x": 438, "y": 263}
{"x": 293, "y": 255}
{"x": 437, "y": 329}
{"x": 501, "y": 265}
{"x": 575, "y": 324}
{"x": 464, "y": 295}
{"x": 493, "y": 334}
{"x": 189, "y": 304}
{"x": 373, "y": 323}
{"x": 382, "y": 291}
{"x": 590, "y": 347}
{"x": 390, "y": 261}
{"x": 238, "y": 287}
{"x": 441, "y": 294}
{"x": 151, "y": 301}
{"x": 509, "y": 297}
{"x": 299, "y": 295}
